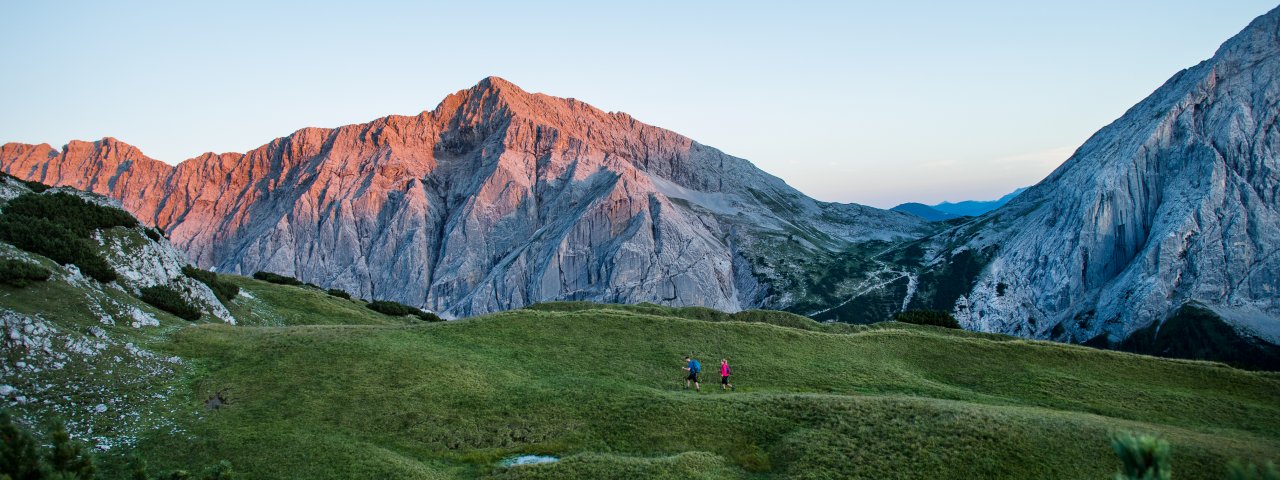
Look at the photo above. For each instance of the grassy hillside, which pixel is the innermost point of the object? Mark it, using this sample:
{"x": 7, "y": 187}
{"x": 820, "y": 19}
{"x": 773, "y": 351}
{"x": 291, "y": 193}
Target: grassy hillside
{"x": 309, "y": 385}
{"x": 599, "y": 386}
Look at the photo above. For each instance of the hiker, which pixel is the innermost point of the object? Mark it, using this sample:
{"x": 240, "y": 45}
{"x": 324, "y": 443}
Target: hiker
{"x": 724, "y": 375}
{"x": 693, "y": 367}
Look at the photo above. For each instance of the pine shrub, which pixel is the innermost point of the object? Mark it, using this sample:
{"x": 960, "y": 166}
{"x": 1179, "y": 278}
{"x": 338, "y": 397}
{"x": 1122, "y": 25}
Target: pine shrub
{"x": 170, "y": 300}
{"x": 339, "y": 293}
{"x": 72, "y": 212}
{"x": 224, "y": 290}
{"x": 277, "y": 278}
{"x": 21, "y": 458}
{"x": 397, "y": 309}
{"x": 20, "y": 274}
{"x": 1142, "y": 457}
{"x": 59, "y": 226}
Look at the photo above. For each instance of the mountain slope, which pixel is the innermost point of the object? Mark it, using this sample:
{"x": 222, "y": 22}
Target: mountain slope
{"x": 496, "y": 199}
{"x": 1176, "y": 201}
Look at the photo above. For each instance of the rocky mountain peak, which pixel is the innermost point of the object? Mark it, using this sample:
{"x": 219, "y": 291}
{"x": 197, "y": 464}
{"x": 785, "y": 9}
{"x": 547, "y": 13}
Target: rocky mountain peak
{"x": 495, "y": 199}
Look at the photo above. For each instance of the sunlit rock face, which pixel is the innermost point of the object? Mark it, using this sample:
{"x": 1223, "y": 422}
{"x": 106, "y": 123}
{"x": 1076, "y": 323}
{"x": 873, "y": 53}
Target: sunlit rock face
{"x": 495, "y": 199}
{"x": 1173, "y": 202}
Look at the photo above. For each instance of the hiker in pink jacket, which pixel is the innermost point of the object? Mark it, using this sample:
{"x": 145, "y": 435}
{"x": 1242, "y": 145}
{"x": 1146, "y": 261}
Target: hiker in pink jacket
{"x": 724, "y": 375}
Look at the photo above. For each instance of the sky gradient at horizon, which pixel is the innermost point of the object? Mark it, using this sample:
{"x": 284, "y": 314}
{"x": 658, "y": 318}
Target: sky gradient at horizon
{"x": 873, "y": 103}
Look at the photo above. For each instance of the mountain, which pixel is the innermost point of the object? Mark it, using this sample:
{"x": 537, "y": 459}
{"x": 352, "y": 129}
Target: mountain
{"x": 496, "y": 199}
{"x": 948, "y": 210}
{"x": 973, "y": 208}
{"x": 924, "y": 211}
{"x": 1173, "y": 204}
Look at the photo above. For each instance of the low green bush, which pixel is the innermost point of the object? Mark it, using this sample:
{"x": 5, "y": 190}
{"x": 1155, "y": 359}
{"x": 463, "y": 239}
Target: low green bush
{"x": 224, "y": 290}
{"x": 397, "y": 309}
{"x": 339, "y": 293}
{"x": 59, "y": 226}
{"x": 42, "y": 236}
{"x": 170, "y": 300}
{"x": 936, "y": 318}
{"x": 21, "y": 456}
{"x": 1142, "y": 457}
{"x": 74, "y": 213}
{"x": 153, "y": 233}
{"x": 20, "y": 274}
{"x": 277, "y": 278}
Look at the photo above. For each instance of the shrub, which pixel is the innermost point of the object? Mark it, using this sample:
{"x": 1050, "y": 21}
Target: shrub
{"x": 170, "y": 300}
{"x": 65, "y": 459}
{"x": 153, "y": 233}
{"x": 20, "y": 274}
{"x": 224, "y": 290}
{"x": 59, "y": 226}
{"x": 74, "y": 213}
{"x": 18, "y": 451}
{"x": 276, "y": 278}
{"x": 339, "y": 293}
{"x": 936, "y": 318}
{"x": 21, "y": 459}
{"x": 397, "y": 309}
{"x": 1142, "y": 457}
{"x": 42, "y": 236}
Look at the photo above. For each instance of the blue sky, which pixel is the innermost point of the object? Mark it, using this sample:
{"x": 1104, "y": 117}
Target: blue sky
{"x": 870, "y": 102}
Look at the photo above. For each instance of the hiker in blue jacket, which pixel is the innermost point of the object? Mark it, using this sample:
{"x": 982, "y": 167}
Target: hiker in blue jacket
{"x": 693, "y": 367}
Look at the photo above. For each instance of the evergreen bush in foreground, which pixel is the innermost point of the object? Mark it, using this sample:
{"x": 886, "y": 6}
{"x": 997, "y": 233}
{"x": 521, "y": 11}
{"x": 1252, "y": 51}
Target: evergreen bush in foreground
{"x": 1142, "y": 457}
{"x": 22, "y": 458}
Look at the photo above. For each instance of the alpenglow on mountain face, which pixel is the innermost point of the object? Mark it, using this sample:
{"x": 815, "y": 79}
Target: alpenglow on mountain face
{"x": 496, "y": 199}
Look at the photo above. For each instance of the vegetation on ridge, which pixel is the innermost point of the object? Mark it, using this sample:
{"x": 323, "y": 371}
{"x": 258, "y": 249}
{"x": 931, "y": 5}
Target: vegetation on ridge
{"x": 59, "y": 226}
{"x": 224, "y": 290}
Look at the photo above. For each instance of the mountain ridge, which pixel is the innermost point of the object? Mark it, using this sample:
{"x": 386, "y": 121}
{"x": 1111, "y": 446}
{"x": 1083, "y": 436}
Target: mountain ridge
{"x": 407, "y": 192}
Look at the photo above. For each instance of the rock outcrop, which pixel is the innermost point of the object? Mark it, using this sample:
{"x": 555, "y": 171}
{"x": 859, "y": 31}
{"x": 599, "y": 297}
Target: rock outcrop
{"x": 1174, "y": 202}
{"x": 495, "y": 199}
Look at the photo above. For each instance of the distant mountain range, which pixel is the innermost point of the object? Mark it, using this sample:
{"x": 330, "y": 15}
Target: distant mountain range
{"x": 949, "y": 210}
{"x": 499, "y": 198}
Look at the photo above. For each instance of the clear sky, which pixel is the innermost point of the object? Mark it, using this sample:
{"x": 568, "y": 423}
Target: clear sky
{"x": 870, "y": 102}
